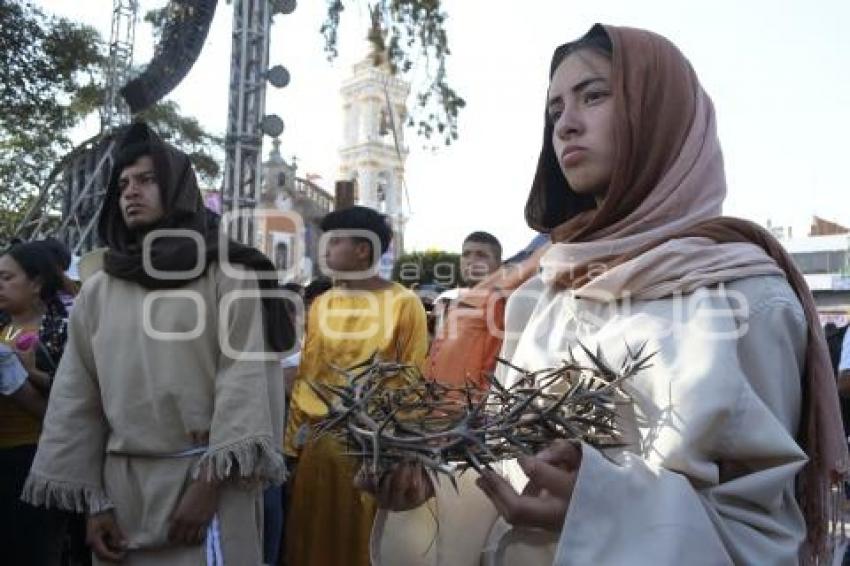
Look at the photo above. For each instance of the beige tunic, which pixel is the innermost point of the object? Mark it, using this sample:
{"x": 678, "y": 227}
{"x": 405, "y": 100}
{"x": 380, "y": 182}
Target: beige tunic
{"x": 709, "y": 478}
{"x": 141, "y": 371}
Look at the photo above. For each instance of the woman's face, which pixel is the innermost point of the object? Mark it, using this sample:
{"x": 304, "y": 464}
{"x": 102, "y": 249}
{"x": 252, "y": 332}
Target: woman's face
{"x": 17, "y": 291}
{"x": 582, "y": 111}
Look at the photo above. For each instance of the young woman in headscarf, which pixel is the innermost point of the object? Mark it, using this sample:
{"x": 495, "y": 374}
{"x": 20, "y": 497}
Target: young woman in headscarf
{"x": 735, "y": 437}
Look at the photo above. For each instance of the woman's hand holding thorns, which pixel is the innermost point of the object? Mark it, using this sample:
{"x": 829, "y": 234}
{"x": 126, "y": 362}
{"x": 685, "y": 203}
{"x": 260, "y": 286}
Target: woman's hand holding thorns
{"x": 395, "y": 419}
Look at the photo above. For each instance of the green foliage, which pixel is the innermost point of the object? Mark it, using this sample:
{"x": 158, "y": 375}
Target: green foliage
{"x": 51, "y": 78}
{"x": 174, "y": 12}
{"x": 409, "y": 31}
{"x": 186, "y": 133}
{"x": 428, "y": 268}
{"x": 49, "y": 65}
{"x": 157, "y": 18}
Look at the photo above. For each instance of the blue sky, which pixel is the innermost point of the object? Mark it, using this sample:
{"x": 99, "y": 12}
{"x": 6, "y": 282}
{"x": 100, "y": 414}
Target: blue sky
{"x": 777, "y": 71}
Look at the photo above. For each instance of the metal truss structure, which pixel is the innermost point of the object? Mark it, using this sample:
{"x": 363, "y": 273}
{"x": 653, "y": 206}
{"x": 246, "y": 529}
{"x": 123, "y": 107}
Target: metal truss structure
{"x": 83, "y": 188}
{"x": 75, "y": 189}
{"x": 121, "y": 39}
{"x": 246, "y": 119}
{"x": 68, "y": 205}
{"x": 249, "y": 63}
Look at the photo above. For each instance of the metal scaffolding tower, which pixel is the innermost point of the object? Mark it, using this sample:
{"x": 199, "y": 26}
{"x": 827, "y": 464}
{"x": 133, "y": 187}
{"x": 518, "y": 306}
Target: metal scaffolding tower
{"x": 115, "y": 111}
{"x": 246, "y": 119}
{"x": 243, "y": 143}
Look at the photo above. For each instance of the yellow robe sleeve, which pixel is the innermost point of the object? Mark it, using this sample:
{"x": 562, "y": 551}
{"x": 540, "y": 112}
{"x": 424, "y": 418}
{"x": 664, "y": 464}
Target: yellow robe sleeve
{"x": 307, "y": 369}
{"x": 412, "y": 336}
{"x": 309, "y": 352}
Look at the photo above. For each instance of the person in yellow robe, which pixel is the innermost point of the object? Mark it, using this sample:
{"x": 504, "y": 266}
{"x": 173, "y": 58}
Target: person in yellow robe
{"x": 329, "y": 520}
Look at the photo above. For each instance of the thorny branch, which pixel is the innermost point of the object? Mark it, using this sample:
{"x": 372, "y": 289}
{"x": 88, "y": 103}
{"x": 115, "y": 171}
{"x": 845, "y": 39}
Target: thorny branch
{"x": 388, "y": 412}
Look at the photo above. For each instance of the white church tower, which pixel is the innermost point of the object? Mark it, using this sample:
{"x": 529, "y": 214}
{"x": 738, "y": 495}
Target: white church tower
{"x": 373, "y": 152}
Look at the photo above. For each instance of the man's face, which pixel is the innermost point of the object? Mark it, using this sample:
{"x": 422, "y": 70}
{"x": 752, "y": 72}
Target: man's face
{"x": 141, "y": 200}
{"x": 477, "y": 261}
{"x": 344, "y": 253}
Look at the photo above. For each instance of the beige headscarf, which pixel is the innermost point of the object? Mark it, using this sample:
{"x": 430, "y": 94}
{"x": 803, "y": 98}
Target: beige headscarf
{"x": 659, "y": 231}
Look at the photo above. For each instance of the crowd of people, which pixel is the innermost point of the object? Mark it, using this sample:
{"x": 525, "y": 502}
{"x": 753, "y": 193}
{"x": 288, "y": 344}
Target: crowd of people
{"x": 164, "y": 411}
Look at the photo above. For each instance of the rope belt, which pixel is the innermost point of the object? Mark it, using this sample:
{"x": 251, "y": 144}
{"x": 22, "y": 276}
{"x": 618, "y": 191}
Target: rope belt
{"x": 215, "y": 557}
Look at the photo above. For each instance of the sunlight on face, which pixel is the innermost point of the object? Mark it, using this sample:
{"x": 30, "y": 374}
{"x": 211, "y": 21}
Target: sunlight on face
{"x": 17, "y": 291}
{"x": 581, "y": 108}
{"x": 477, "y": 261}
{"x": 141, "y": 200}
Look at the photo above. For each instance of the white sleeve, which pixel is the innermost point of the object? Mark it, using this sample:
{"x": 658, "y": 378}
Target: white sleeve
{"x": 518, "y": 311}
{"x": 12, "y": 373}
{"x": 844, "y": 363}
{"x": 715, "y": 485}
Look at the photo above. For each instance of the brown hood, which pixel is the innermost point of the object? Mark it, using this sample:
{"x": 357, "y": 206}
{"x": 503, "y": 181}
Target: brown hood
{"x": 184, "y": 209}
{"x": 649, "y": 130}
{"x": 181, "y": 197}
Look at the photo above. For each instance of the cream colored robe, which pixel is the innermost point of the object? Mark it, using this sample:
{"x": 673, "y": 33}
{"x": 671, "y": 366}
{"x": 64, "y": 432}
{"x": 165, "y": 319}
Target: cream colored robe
{"x": 125, "y": 401}
{"x": 709, "y": 476}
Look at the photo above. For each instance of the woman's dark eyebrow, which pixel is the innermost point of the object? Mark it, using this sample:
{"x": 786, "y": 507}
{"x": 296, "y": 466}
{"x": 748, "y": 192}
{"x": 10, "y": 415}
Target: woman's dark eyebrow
{"x": 586, "y": 83}
{"x": 577, "y": 88}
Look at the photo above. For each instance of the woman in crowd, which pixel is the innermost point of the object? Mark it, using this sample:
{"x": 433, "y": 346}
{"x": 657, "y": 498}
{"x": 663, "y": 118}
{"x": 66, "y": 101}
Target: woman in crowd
{"x": 29, "y": 305}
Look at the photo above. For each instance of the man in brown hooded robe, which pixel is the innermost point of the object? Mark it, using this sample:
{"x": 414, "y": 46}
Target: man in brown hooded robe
{"x": 166, "y": 413}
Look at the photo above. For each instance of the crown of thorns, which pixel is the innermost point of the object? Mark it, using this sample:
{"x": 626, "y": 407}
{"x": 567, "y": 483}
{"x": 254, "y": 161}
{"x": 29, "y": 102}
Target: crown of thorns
{"x": 387, "y": 412}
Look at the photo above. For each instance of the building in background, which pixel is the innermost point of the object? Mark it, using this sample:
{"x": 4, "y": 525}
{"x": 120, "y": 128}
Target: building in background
{"x": 288, "y": 217}
{"x": 371, "y": 173}
{"x": 824, "y": 258}
{"x": 373, "y": 154}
